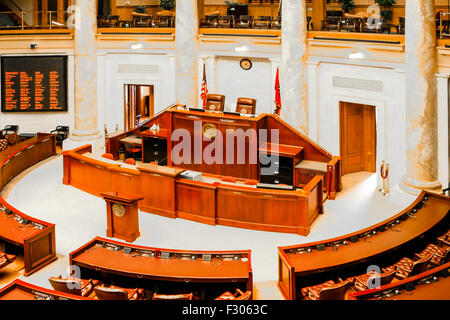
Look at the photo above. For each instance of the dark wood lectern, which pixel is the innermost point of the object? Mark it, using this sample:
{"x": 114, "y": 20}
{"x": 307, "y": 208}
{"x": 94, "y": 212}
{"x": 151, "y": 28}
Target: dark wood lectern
{"x": 122, "y": 215}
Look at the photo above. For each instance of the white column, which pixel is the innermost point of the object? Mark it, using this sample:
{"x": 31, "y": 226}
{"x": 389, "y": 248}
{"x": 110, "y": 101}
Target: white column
{"x": 313, "y": 100}
{"x": 443, "y": 129}
{"x": 294, "y": 53}
{"x": 421, "y": 99}
{"x": 186, "y": 73}
{"x": 85, "y": 74}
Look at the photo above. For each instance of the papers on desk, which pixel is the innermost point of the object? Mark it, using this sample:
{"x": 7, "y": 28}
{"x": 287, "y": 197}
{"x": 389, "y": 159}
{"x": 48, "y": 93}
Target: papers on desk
{"x": 191, "y": 175}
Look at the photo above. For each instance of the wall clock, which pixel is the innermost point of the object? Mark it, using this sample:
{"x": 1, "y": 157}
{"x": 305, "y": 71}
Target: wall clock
{"x": 246, "y": 64}
{"x": 118, "y": 210}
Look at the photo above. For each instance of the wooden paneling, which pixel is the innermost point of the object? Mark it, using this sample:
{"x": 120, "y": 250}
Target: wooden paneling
{"x": 358, "y": 137}
{"x": 196, "y": 201}
{"x": 169, "y": 195}
{"x": 38, "y": 244}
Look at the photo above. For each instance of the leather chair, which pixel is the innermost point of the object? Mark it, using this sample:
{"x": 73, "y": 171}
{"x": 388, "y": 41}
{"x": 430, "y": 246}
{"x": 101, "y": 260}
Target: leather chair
{"x": 439, "y": 255}
{"x": 362, "y": 281}
{"x": 238, "y": 295}
{"x": 130, "y": 161}
{"x": 445, "y": 238}
{"x": 181, "y": 296}
{"x": 12, "y": 138}
{"x": 72, "y": 285}
{"x": 246, "y": 105}
{"x": 329, "y": 290}
{"x": 162, "y": 22}
{"x": 352, "y": 24}
{"x": 108, "y": 21}
{"x": 118, "y": 293}
{"x": 406, "y": 267}
{"x": 210, "y": 21}
{"x": 225, "y": 22}
{"x": 142, "y": 21}
{"x": 276, "y": 23}
{"x": 263, "y": 22}
{"x": 61, "y": 133}
{"x": 332, "y": 23}
{"x": 244, "y": 22}
{"x": 215, "y": 102}
{"x": 10, "y": 128}
{"x": 6, "y": 259}
{"x": 3, "y": 144}
{"x": 131, "y": 150}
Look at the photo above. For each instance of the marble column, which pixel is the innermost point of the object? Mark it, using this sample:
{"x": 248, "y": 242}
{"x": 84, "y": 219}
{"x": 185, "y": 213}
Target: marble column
{"x": 294, "y": 53}
{"x": 186, "y": 72}
{"x": 421, "y": 97}
{"x": 85, "y": 75}
{"x": 443, "y": 129}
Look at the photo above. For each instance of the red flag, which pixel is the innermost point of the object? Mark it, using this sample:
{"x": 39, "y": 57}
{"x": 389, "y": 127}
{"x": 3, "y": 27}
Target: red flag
{"x": 277, "y": 94}
{"x": 204, "y": 92}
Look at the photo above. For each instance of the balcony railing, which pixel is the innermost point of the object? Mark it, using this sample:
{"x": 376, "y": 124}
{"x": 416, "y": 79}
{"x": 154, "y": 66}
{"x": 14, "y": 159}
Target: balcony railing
{"x": 21, "y": 20}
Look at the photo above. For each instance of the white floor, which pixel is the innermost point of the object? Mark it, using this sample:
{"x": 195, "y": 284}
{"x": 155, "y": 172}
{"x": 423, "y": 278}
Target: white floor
{"x": 79, "y": 217}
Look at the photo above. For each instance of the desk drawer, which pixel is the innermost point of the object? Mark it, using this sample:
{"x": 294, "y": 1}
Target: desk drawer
{"x": 304, "y": 176}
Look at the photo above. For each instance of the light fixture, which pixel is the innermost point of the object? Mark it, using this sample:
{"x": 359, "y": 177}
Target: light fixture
{"x": 356, "y": 55}
{"x": 244, "y": 46}
{"x": 136, "y": 46}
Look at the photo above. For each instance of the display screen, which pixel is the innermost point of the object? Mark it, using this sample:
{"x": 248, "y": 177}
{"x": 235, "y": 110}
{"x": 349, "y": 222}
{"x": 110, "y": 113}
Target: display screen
{"x": 34, "y": 83}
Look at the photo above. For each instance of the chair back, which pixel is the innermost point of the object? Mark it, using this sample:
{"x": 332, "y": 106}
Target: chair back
{"x": 3, "y": 144}
{"x": 72, "y": 286}
{"x": 11, "y": 127}
{"x": 215, "y": 102}
{"x": 244, "y": 296}
{"x": 246, "y": 105}
{"x": 108, "y": 156}
{"x": 107, "y": 293}
{"x": 130, "y": 161}
{"x": 387, "y": 277}
{"x": 420, "y": 265}
{"x": 335, "y": 292}
{"x": 12, "y": 138}
{"x": 446, "y": 256}
{"x": 181, "y": 296}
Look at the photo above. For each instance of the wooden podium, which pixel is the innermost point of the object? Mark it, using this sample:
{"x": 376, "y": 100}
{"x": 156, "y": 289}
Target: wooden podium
{"x": 122, "y": 215}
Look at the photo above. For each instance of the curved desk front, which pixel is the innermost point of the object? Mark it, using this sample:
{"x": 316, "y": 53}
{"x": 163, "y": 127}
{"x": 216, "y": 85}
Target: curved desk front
{"x": 298, "y": 264}
{"x": 34, "y": 238}
{"x": 166, "y": 193}
{"x": 165, "y": 267}
{"x": 21, "y": 290}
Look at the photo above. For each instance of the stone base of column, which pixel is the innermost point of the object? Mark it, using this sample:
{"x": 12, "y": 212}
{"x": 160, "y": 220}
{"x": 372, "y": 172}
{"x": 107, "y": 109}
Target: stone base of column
{"x": 81, "y": 138}
{"x": 415, "y": 187}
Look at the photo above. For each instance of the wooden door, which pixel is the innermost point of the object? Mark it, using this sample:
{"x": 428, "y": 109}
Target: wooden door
{"x": 357, "y": 137}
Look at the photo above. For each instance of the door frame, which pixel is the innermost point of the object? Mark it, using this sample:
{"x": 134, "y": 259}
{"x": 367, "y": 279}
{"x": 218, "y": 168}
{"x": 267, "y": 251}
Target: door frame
{"x": 372, "y": 167}
{"x": 380, "y": 120}
{"x": 126, "y": 99}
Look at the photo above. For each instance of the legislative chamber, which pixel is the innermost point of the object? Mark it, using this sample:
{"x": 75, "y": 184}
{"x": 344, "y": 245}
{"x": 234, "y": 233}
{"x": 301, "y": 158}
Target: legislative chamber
{"x": 212, "y": 150}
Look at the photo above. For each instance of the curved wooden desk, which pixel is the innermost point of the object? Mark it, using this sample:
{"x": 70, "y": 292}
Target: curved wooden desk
{"x": 352, "y": 253}
{"x": 21, "y": 290}
{"x": 166, "y": 193}
{"x": 34, "y": 237}
{"x": 433, "y": 284}
{"x": 147, "y": 266}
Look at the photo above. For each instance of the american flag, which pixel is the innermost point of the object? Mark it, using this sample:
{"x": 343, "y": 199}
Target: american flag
{"x": 204, "y": 92}
{"x": 277, "y": 94}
